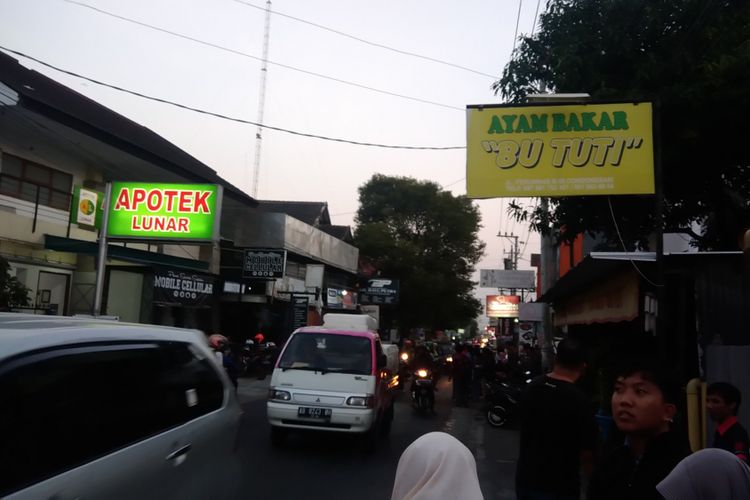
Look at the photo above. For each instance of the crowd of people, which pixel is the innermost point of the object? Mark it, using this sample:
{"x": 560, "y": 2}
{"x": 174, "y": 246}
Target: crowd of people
{"x": 562, "y": 455}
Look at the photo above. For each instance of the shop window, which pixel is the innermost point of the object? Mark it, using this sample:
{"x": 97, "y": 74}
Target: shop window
{"x": 22, "y": 179}
{"x": 295, "y": 270}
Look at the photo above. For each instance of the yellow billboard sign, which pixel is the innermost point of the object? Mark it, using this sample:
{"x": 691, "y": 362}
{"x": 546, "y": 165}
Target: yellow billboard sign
{"x": 559, "y": 150}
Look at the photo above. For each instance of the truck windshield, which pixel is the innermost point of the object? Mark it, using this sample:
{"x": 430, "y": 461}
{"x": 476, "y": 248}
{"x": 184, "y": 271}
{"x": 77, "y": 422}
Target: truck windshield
{"x": 328, "y": 353}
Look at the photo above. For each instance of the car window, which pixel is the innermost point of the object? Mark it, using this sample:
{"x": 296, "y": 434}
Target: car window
{"x": 329, "y": 353}
{"x": 62, "y": 408}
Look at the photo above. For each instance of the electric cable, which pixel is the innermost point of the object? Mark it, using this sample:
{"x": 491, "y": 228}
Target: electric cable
{"x": 368, "y": 42}
{"x": 281, "y": 65}
{"x": 225, "y": 117}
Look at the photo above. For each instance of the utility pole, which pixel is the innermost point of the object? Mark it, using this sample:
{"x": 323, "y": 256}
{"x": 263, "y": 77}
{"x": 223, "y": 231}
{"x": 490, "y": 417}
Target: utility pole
{"x": 514, "y": 252}
{"x": 261, "y": 100}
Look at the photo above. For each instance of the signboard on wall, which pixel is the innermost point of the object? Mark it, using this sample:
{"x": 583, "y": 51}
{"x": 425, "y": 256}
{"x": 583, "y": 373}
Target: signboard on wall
{"x": 183, "y": 288}
{"x": 503, "y": 306}
{"x": 379, "y": 291}
{"x": 299, "y": 311}
{"x": 164, "y": 211}
{"x": 559, "y": 150}
{"x": 260, "y": 263}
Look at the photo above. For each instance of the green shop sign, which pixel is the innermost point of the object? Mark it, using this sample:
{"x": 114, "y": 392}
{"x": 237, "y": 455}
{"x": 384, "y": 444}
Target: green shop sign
{"x": 164, "y": 211}
{"x": 87, "y": 207}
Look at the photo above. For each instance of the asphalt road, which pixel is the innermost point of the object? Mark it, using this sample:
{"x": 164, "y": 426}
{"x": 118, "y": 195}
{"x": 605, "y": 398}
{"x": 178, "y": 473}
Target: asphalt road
{"x": 330, "y": 466}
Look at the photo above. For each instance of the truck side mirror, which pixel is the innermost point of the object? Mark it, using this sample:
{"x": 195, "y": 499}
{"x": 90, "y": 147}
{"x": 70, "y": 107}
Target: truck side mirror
{"x": 382, "y": 361}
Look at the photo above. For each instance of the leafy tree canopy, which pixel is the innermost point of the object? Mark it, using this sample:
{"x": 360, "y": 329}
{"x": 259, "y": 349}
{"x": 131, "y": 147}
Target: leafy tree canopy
{"x": 427, "y": 238}
{"x": 693, "y": 57}
{"x": 12, "y": 292}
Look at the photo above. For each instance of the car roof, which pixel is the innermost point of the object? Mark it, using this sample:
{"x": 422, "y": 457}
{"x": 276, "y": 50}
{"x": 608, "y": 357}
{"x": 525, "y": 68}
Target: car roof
{"x": 338, "y": 331}
{"x": 26, "y": 332}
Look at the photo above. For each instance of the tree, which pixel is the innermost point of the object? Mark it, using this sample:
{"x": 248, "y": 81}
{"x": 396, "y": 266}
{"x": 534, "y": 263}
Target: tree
{"x": 426, "y": 238}
{"x": 12, "y": 292}
{"x": 693, "y": 56}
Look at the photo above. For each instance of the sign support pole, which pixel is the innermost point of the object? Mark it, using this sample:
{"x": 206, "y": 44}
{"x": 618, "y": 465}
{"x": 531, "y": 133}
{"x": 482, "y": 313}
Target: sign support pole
{"x": 101, "y": 258}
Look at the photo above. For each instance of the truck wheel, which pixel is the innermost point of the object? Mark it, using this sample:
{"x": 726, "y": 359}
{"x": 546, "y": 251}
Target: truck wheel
{"x": 278, "y": 435}
{"x": 370, "y": 438}
{"x": 387, "y": 421}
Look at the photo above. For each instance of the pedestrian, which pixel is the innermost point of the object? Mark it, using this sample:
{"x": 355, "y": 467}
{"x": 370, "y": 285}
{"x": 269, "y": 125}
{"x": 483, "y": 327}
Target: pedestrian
{"x": 462, "y": 367}
{"x": 436, "y": 466}
{"x": 558, "y": 430}
{"x": 722, "y": 402}
{"x": 643, "y": 406}
{"x": 707, "y": 475}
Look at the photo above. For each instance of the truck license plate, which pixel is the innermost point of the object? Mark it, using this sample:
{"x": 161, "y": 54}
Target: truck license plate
{"x": 314, "y": 412}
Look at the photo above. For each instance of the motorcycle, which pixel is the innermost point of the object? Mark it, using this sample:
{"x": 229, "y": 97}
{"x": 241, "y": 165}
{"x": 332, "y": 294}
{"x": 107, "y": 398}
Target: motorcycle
{"x": 423, "y": 391}
{"x": 403, "y": 370}
{"x": 260, "y": 361}
{"x": 502, "y": 401}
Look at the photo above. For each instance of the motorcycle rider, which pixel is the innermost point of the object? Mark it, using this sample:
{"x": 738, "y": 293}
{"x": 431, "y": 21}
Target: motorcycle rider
{"x": 423, "y": 360}
{"x": 220, "y": 345}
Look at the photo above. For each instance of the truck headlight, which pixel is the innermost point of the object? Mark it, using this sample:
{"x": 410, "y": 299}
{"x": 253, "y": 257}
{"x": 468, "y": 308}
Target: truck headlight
{"x": 277, "y": 395}
{"x": 362, "y": 402}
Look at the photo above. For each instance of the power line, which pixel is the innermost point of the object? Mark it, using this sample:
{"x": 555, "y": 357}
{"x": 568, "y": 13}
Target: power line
{"x": 250, "y": 56}
{"x": 624, "y": 248}
{"x": 368, "y": 42}
{"x": 225, "y": 117}
{"x": 453, "y": 183}
{"x": 536, "y": 15}
{"x": 518, "y": 20}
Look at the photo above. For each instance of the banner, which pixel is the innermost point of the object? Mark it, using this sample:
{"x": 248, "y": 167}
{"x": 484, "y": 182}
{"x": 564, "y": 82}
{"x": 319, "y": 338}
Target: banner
{"x": 338, "y": 298}
{"x": 181, "y": 288}
{"x": 263, "y": 264}
{"x": 503, "y": 306}
{"x": 164, "y": 211}
{"x": 559, "y": 150}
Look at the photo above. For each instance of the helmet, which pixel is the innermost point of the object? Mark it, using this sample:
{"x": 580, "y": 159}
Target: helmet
{"x": 217, "y": 341}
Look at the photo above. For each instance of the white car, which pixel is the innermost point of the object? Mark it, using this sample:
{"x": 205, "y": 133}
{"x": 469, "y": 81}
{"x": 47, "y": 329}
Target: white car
{"x": 100, "y": 409}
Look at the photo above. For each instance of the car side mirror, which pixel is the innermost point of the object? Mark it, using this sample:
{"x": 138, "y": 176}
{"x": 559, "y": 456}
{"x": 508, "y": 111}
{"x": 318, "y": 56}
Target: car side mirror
{"x": 382, "y": 361}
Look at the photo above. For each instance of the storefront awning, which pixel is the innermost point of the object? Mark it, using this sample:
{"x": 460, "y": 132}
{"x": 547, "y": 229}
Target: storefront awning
{"x": 597, "y": 266}
{"x": 602, "y": 288}
{"x": 126, "y": 254}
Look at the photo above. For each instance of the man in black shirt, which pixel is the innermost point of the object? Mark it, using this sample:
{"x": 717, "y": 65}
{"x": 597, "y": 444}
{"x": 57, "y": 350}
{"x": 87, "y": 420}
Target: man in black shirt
{"x": 643, "y": 406}
{"x": 558, "y": 432}
{"x": 722, "y": 402}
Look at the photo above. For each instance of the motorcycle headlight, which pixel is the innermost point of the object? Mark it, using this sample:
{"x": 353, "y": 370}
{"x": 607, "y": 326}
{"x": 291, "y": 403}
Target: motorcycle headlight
{"x": 422, "y": 373}
{"x": 277, "y": 395}
{"x": 449, "y": 359}
{"x": 404, "y": 356}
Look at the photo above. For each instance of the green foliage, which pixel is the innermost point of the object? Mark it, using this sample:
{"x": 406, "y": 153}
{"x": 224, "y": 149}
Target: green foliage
{"x": 427, "y": 238}
{"x": 693, "y": 58}
{"x": 12, "y": 292}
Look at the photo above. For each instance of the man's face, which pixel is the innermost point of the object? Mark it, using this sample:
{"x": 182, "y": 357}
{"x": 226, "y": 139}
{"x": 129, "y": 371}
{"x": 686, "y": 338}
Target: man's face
{"x": 638, "y": 406}
{"x": 718, "y": 408}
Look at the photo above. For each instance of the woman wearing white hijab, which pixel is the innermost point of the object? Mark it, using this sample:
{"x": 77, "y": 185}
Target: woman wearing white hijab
{"x": 707, "y": 475}
{"x": 437, "y": 466}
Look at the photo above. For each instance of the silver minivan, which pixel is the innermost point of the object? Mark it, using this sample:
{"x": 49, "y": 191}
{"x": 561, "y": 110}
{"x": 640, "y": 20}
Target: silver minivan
{"x": 99, "y": 409}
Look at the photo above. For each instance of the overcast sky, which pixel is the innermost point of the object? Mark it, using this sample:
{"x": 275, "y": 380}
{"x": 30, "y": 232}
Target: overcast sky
{"x": 476, "y": 34}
